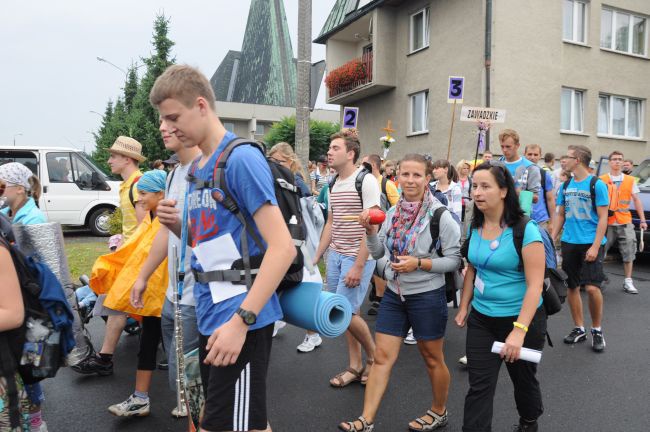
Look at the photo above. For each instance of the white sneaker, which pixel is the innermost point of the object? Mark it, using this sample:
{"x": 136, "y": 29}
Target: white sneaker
{"x": 279, "y": 325}
{"x": 77, "y": 354}
{"x": 41, "y": 428}
{"x": 178, "y": 413}
{"x": 628, "y": 286}
{"x": 132, "y": 407}
{"x": 410, "y": 339}
{"x": 463, "y": 360}
{"x": 311, "y": 341}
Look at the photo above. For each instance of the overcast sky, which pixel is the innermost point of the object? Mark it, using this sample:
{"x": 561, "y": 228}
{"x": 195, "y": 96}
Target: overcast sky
{"x": 50, "y": 78}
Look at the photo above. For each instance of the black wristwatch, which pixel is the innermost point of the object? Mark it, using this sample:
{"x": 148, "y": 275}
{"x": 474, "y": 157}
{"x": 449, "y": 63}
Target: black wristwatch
{"x": 249, "y": 317}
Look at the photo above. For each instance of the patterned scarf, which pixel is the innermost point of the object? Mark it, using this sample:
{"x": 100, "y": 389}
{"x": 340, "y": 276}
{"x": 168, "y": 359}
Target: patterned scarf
{"x": 406, "y": 223}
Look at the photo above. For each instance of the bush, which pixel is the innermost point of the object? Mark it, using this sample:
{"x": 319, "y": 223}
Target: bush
{"x": 115, "y": 222}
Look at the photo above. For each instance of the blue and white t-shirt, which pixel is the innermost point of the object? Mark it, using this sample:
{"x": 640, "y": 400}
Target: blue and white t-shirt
{"x": 249, "y": 181}
{"x": 581, "y": 220}
{"x": 500, "y": 284}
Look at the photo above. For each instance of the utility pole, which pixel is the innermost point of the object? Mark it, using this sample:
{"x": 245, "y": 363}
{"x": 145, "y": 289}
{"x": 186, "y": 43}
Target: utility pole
{"x": 303, "y": 97}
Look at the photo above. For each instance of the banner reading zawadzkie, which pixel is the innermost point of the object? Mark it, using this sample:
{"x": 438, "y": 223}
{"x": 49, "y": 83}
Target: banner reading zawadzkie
{"x": 477, "y": 114}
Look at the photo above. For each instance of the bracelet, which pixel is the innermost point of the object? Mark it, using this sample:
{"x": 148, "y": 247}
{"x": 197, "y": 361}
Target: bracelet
{"x": 419, "y": 263}
{"x": 520, "y": 326}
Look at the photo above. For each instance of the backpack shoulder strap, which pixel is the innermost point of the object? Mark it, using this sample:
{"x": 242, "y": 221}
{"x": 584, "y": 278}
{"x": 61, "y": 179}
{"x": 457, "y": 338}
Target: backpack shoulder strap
{"x": 592, "y": 191}
{"x": 518, "y": 231}
{"x": 170, "y": 178}
{"x": 434, "y": 228}
{"x": 358, "y": 182}
{"x": 331, "y": 183}
{"x": 542, "y": 175}
{"x": 131, "y": 197}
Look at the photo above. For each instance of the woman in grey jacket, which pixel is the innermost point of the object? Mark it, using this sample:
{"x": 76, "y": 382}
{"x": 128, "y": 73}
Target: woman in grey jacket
{"x": 416, "y": 292}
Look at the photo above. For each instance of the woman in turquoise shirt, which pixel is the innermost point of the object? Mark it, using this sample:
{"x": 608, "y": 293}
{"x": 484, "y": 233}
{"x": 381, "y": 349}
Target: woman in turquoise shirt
{"x": 21, "y": 190}
{"x": 506, "y": 301}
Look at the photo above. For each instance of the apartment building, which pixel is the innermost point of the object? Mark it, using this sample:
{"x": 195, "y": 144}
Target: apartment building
{"x": 566, "y": 71}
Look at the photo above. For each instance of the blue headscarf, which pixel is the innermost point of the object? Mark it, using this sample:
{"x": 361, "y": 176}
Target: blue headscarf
{"x": 152, "y": 181}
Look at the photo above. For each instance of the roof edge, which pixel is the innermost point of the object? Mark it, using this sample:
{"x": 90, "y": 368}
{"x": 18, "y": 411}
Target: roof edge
{"x": 351, "y": 17}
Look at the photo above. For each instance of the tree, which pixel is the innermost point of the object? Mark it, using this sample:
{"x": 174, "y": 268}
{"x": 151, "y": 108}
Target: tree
{"x": 319, "y": 135}
{"x": 132, "y": 115}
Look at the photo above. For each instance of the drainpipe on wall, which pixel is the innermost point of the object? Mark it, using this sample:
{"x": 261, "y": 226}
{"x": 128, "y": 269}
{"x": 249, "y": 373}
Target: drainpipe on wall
{"x": 488, "y": 60}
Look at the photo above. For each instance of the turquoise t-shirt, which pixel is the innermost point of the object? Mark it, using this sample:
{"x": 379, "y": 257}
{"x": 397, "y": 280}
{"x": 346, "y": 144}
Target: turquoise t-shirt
{"x": 514, "y": 166}
{"x": 503, "y": 283}
{"x": 28, "y": 214}
{"x": 581, "y": 220}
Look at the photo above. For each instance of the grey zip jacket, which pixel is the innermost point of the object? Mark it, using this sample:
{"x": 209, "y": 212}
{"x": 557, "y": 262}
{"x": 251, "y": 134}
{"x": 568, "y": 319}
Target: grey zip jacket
{"x": 419, "y": 281}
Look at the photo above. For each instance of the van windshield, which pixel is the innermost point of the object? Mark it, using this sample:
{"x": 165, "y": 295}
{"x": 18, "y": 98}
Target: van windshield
{"x": 642, "y": 172}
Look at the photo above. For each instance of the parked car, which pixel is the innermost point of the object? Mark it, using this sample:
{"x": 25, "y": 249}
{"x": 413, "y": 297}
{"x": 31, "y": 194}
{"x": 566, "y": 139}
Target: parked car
{"x": 642, "y": 173}
{"x": 75, "y": 191}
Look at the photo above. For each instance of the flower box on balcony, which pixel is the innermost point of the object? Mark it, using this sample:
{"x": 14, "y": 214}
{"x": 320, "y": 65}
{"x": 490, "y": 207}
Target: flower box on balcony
{"x": 352, "y": 74}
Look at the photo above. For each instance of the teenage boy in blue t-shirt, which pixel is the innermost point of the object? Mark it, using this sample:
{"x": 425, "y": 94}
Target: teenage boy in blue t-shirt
{"x": 525, "y": 177}
{"x": 583, "y": 243}
{"x": 235, "y": 324}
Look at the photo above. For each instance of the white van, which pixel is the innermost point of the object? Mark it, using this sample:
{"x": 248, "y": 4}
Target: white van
{"x": 75, "y": 191}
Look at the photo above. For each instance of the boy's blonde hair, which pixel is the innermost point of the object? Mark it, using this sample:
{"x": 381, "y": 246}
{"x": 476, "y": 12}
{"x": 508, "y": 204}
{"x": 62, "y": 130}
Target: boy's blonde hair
{"x": 183, "y": 83}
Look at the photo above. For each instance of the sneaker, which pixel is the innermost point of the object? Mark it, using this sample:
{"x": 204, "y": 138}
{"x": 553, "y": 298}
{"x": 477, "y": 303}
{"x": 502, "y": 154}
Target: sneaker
{"x": 132, "y": 407}
{"x": 41, "y": 428}
{"x": 178, "y": 413}
{"x": 77, "y": 355}
{"x": 311, "y": 341}
{"x": 597, "y": 340}
{"x": 463, "y": 360}
{"x": 525, "y": 427}
{"x": 410, "y": 339}
{"x": 628, "y": 286}
{"x": 93, "y": 364}
{"x": 576, "y": 335}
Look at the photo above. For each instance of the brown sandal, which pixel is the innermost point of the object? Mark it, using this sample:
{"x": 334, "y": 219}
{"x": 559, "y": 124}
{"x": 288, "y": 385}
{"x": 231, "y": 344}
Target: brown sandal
{"x": 366, "y": 372}
{"x": 339, "y": 382}
{"x": 351, "y": 427}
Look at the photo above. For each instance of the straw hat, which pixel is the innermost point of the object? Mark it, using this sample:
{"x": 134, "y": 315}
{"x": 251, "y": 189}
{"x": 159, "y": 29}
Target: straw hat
{"x": 127, "y": 146}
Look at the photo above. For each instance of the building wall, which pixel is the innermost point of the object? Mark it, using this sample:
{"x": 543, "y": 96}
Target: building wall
{"x": 531, "y": 67}
{"x": 455, "y": 48}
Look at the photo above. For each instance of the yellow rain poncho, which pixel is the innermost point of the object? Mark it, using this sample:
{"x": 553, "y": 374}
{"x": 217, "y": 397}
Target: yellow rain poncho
{"x": 114, "y": 274}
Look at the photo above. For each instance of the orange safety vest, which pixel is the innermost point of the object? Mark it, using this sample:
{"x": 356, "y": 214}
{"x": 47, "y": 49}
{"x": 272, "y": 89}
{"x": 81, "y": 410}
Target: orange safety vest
{"x": 619, "y": 199}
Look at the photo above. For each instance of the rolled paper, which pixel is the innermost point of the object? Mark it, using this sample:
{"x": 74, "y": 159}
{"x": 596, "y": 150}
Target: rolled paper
{"x": 306, "y": 305}
{"x": 44, "y": 242}
{"x": 526, "y": 201}
{"x": 526, "y": 354}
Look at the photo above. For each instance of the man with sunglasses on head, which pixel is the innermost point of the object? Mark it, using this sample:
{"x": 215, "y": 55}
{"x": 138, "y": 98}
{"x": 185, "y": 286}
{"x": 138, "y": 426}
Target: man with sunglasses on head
{"x": 620, "y": 229}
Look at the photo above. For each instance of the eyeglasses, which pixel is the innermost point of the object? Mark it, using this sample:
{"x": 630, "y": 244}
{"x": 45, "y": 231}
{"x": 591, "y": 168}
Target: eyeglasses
{"x": 616, "y": 160}
{"x": 569, "y": 157}
{"x": 279, "y": 161}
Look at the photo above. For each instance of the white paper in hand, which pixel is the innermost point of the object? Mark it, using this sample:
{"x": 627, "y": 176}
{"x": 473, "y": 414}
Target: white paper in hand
{"x": 527, "y": 354}
{"x": 219, "y": 254}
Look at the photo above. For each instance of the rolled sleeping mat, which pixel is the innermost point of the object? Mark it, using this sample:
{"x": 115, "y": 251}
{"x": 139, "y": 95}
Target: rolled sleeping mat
{"x": 44, "y": 242}
{"x": 307, "y": 306}
{"x": 526, "y": 201}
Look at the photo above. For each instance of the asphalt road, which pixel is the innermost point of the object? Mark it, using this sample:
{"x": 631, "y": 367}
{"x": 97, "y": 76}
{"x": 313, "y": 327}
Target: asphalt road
{"x": 582, "y": 390}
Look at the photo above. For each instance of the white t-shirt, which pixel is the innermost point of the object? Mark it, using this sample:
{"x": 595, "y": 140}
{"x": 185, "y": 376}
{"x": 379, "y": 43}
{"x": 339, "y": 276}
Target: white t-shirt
{"x": 344, "y": 201}
{"x": 176, "y": 186}
{"x": 617, "y": 180}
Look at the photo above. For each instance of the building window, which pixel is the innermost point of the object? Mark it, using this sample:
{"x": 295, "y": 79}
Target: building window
{"x": 419, "y": 108}
{"x": 572, "y": 110}
{"x": 624, "y": 32}
{"x": 230, "y": 127}
{"x": 259, "y": 129}
{"x": 419, "y": 35}
{"x": 575, "y": 21}
{"x": 620, "y": 116}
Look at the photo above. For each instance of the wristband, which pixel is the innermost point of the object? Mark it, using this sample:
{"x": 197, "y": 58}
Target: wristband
{"x": 520, "y": 326}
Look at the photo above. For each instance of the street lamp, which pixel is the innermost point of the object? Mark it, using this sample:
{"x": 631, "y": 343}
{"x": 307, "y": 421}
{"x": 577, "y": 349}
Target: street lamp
{"x": 112, "y": 64}
{"x": 18, "y": 134}
{"x": 95, "y": 112}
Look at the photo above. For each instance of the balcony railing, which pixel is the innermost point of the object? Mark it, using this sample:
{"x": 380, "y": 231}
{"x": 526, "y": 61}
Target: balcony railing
{"x": 351, "y": 75}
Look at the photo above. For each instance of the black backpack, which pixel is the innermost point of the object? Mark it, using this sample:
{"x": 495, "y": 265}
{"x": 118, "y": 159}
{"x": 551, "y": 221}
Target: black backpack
{"x": 450, "y": 277}
{"x": 287, "y": 194}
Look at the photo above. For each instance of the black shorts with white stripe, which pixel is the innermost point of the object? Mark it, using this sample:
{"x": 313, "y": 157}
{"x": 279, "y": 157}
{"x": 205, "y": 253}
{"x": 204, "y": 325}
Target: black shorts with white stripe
{"x": 235, "y": 396}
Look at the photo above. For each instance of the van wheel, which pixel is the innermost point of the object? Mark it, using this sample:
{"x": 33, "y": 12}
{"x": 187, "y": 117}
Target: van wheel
{"x": 98, "y": 221}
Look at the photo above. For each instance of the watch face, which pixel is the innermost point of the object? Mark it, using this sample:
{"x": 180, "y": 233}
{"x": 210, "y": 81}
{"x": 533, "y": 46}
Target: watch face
{"x": 249, "y": 318}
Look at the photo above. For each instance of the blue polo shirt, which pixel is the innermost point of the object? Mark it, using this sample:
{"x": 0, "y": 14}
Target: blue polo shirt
{"x": 249, "y": 181}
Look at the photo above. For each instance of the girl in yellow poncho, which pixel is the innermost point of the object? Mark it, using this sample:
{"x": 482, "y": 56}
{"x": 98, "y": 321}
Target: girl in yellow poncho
{"x": 116, "y": 274}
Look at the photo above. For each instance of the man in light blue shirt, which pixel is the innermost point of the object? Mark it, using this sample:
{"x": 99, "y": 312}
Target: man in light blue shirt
{"x": 583, "y": 203}
{"x": 526, "y": 178}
